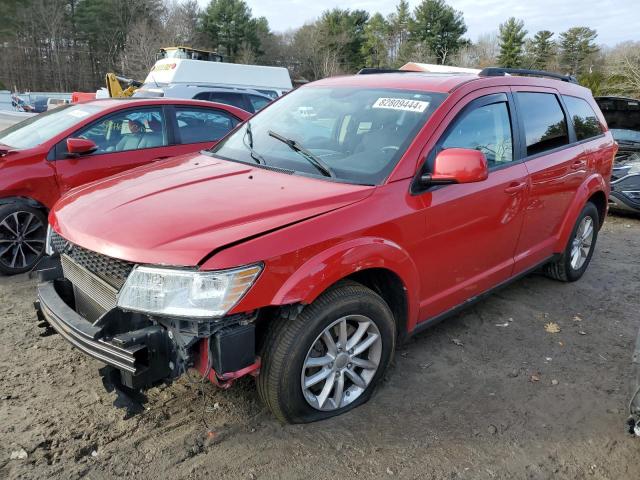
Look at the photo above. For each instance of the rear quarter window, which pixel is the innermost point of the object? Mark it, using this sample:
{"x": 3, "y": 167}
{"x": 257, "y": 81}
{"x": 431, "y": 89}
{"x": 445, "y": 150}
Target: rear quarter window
{"x": 585, "y": 120}
{"x": 545, "y": 125}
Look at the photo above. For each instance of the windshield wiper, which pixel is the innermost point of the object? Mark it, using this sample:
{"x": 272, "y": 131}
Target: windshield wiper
{"x": 259, "y": 159}
{"x": 629, "y": 142}
{"x": 313, "y": 159}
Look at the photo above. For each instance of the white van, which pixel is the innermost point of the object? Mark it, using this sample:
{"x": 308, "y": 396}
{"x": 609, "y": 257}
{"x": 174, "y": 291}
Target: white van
{"x": 270, "y": 81}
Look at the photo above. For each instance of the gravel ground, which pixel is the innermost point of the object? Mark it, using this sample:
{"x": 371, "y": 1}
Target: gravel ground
{"x": 487, "y": 394}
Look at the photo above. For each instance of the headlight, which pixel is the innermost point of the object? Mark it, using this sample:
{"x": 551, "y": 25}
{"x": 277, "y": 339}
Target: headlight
{"x": 186, "y": 293}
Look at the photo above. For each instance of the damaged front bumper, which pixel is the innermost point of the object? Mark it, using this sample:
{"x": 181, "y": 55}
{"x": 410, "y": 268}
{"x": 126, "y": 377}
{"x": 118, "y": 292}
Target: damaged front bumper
{"x": 146, "y": 350}
{"x": 625, "y": 183}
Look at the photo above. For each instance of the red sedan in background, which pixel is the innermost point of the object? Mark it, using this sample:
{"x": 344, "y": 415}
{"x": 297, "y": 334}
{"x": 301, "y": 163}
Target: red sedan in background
{"x": 45, "y": 156}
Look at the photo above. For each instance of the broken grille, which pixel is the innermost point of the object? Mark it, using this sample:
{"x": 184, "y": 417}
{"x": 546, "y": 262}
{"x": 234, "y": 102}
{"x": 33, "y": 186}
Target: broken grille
{"x": 112, "y": 270}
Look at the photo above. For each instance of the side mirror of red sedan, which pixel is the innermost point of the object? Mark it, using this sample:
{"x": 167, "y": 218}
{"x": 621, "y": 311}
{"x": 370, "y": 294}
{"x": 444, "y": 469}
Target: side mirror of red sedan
{"x": 457, "y": 165}
{"x": 80, "y": 146}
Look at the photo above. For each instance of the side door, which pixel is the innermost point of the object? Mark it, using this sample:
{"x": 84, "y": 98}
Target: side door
{"x": 197, "y": 128}
{"x": 557, "y": 166}
{"x": 473, "y": 229}
{"x": 125, "y": 139}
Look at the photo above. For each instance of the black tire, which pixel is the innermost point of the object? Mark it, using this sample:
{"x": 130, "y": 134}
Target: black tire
{"x": 21, "y": 250}
{"x": 561, "y": 269}
{"x": 288, "y": 341}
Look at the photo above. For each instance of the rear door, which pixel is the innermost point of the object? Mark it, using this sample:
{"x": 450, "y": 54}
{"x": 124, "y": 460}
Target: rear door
{"x": 125, "y": 139}
{"x": 473, "y": 229}
{"x": 557, "y": 166}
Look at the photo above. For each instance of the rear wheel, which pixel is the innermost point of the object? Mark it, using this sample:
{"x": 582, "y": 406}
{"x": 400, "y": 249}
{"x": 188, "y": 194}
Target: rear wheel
{"x": 576, "y": 257}
{"x": 328, "y": 359}
{"x": 23, "y": 232}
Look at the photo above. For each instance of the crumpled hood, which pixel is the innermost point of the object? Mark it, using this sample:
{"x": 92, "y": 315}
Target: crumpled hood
{"x": 178, "y": 211}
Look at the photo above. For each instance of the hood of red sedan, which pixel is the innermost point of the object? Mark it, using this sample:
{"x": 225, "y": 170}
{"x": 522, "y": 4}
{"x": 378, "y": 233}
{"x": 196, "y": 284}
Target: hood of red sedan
{"x": 178, "y": 211}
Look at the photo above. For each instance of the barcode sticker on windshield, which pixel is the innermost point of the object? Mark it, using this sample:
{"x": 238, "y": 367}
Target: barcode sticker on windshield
{"x": 405, "y": 104}
{"x": 78, "y": 113}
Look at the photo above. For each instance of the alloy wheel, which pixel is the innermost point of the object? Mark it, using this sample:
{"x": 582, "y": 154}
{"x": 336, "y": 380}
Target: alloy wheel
{"x": 22, "y": 238}
{"x": 341, "y": 362}
{"x": 582, "y": 242}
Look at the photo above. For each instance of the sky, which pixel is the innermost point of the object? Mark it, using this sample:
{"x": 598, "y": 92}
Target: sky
{"x": 615, "y": 20}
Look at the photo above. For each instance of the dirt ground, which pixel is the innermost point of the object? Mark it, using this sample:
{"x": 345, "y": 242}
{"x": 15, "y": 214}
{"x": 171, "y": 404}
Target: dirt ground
{"x": 487, "y": 394}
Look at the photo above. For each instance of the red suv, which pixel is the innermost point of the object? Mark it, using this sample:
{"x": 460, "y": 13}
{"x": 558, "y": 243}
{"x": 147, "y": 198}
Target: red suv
{"x": 342, "y": 218}
{"x": 51, "y": 153}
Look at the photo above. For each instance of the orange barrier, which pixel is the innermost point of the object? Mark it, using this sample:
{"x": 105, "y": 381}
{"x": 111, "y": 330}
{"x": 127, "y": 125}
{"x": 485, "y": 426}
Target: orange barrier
{"x": 82, "y": 97}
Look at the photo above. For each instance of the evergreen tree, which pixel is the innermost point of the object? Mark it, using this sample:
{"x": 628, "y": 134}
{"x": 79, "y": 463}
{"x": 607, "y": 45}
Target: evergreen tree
{"x": 375, "y": 47}
{"x": 577, "y": 48}
{"x": 512, "y": 34}
{"x": 543, "y": 49}
{"x": 439, "y": 28}
{"x": 343, "y": 34}
{"x": 230, "y": 27}
{"x": 399, "y": 23}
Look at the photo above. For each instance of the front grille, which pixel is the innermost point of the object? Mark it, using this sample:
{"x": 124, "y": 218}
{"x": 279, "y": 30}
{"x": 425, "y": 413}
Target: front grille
{"x": 111, "y": 270}
{"x": 93, "y": 296}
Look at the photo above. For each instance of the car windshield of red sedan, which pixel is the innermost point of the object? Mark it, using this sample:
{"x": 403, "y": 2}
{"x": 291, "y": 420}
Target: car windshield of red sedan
{"x": 44, "y": 126}
{"x": 353, "y": 135}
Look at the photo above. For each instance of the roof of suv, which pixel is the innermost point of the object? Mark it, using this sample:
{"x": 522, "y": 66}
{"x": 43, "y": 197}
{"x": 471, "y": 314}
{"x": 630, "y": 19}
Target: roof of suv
{"x": 441, "y": 82}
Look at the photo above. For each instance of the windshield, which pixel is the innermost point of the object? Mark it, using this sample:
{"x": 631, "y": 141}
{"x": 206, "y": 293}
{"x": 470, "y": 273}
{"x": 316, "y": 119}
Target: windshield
{"x": 359, "y": 134}
{"x": 44, "y": 126}
{"x": 623, "y": 135}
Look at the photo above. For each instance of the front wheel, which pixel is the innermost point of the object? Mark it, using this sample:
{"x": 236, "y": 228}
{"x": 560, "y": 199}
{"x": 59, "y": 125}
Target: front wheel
{"x": 328, "y": 359}
{"x": 573, "y": 262}
{"x": 23, "y": 232}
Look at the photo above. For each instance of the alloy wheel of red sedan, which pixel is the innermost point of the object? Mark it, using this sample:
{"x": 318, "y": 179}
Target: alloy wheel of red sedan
{"x": 22, "y": 239}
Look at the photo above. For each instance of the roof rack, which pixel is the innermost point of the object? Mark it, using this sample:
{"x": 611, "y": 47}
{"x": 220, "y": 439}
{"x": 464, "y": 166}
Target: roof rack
{"x": 372, "y": 70}
{"x": 501, "y": 72}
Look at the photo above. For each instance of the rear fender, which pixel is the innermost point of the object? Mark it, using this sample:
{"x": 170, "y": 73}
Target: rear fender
{"x": 338, "y": 262}
{"x": 592, "y": 184}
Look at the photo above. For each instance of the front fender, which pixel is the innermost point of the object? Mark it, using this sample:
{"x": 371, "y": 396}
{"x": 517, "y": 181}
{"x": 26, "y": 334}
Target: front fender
{"x": 592, "y": 184}
{"x": 321, "y": 271}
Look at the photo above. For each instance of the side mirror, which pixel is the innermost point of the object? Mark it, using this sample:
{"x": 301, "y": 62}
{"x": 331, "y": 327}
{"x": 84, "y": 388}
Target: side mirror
{"x": 457, "y": 165}
{"x": 80, "y": 146}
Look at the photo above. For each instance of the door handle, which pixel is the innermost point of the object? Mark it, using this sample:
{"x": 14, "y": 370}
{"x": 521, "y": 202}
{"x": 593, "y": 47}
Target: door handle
{"x": 515, "y": 188}
{"x": 161, "y": 158}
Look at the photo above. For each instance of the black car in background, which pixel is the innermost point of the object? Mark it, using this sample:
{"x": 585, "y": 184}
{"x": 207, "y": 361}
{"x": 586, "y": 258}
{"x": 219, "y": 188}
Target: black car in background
{"x": 623, "y": 117}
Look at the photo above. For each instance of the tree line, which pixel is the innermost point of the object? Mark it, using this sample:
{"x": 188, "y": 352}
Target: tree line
{"x": 67, "y": 45}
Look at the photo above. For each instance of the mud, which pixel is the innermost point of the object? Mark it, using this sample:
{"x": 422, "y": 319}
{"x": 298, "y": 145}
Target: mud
{"x": 486, "y": 394}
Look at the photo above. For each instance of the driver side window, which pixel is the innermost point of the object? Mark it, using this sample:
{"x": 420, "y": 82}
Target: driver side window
{"x": 131, "y": 129}
{"x": 486, "y": 128}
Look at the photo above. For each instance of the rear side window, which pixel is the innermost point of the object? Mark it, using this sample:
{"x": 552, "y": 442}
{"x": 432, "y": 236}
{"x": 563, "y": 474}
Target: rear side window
{"x": 228, "y": 98}
{"x": 545, "y": 125}
{"x": 197, "y": 125}
{"x": 487, "y": 129}
{"x": 585, "y": 121}
{"x": 258, "y": 103}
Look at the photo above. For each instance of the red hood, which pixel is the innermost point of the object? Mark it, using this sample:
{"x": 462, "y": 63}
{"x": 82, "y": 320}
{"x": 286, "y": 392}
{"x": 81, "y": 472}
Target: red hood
{"x": 178, "y": 211}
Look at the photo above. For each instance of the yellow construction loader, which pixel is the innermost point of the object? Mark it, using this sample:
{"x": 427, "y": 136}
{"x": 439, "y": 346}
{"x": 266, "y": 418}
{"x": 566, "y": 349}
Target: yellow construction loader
{"x": 114, "y": 85}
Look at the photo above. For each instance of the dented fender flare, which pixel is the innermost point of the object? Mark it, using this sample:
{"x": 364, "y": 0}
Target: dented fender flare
{"x": 592, "y": 185}
{"x": 325, "y": 269}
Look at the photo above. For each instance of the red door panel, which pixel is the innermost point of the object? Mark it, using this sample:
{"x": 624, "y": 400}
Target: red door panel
{"x": 554, "y": 180}
{"x": 555, "y": 174}
{"x": 73, "y": 172}
{"x": 473, "y": 231}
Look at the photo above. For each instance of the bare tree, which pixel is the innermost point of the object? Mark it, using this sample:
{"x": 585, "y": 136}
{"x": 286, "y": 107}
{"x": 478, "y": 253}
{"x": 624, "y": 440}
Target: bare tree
{"x": 623, "y": 65}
